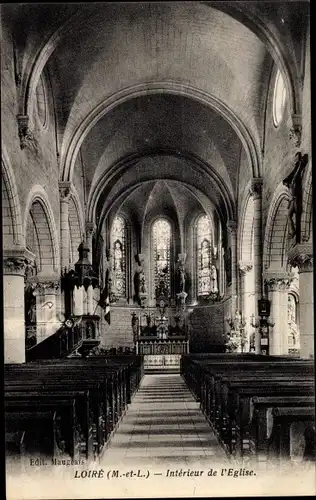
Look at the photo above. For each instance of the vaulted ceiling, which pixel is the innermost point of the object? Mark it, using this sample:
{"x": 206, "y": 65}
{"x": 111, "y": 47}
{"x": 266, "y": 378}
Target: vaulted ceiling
{"x": 148, "y": 91}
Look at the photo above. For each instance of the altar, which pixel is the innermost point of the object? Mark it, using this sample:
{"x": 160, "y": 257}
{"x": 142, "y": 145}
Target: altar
{"x": 162, "y": 354}
{"x": 161, "y": 333}
{"x": 161, "y": 340}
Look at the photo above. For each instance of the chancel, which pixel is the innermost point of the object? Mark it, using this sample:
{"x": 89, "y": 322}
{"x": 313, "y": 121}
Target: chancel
{"x": 157, "y": 233}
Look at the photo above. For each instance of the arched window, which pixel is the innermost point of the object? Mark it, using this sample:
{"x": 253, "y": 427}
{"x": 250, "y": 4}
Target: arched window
{"x": 41, "y": 99}
{"x": 206, "y": 271}
{"x": 118, "y": 246}
{"x": 293, "y": 331}
{"x": 279, "y": 98}
{"x": 161, "y": 244}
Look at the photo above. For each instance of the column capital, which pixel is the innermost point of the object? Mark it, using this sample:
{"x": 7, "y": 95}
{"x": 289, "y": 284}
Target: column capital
{"x": 295, "y": 134}
{"x": 26, "y": 136}
{"x": 16, "y": 262}
{"x": 256, "y": 187}
{"x": 301, "y": 256}
{"x": 65, "y": 190}
{"x": 90, "y": 227}
{"x": 278, "y": 281}
{"x": 46, "y": 287}
{"x": 232, "y": 226}
{"x": 244, "y": 267}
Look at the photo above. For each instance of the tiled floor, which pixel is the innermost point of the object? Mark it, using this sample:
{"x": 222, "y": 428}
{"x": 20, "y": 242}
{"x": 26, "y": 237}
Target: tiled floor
{"x": 163, "y": 425}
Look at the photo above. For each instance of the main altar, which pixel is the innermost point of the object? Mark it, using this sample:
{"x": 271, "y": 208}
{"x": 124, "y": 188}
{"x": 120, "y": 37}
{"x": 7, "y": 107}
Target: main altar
{"x": 162, "y": 340}
{"x": 160, "y": 333}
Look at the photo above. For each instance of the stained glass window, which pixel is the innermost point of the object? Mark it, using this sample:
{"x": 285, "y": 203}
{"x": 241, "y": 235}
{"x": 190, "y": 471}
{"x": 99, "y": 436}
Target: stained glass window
{"x": 161, "y": 232}
{"x": 206, "y": 271}
{"x": 118, "y": 245}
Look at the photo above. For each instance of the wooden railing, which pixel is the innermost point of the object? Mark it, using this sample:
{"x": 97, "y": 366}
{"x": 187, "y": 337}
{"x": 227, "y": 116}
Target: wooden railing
{"x": 63, "y": 342}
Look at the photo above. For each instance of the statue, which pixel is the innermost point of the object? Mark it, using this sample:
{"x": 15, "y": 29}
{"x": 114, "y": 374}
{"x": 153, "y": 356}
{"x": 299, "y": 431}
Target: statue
{"x": 180, "y": 279}
{"x": 294, "y": 183}
{"x": 214, "y": 286}
{"x": 161, "y": 290}
{"x": 205, "y": 255}
{"x": 32, "y": 314}
{"x": 118, "y": 257}
{"x": 135, "y": 326}
{"x": 140, "y": 284}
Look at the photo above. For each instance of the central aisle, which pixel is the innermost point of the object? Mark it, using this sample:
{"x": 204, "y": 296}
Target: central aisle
{"x": 164, "y": 426}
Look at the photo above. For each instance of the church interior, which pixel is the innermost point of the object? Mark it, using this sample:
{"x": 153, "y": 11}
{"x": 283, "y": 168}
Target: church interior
{"x": 157, "y": 233}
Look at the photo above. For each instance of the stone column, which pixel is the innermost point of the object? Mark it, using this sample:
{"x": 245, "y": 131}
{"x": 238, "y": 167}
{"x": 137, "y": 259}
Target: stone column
{"x": 256, "y": 193}
{"x": 14, "y": 266}
{"x": 232, "y": 229}
{"x": 302, "y": 256}
{"x": 46, "y": 307}
{"x": 65, "y": 193}
{"x": 245, "y": 306}
{"x": 278, "y": 286}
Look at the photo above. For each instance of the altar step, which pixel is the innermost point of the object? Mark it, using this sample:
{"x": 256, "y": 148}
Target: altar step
{"x": 161, "y": 370}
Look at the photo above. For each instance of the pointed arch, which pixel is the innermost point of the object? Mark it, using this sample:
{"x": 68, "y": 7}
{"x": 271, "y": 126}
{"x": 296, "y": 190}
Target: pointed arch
{"x": 44, "y": 217}
{"x": 307, "y": 205}
{"x": 12, "y": 226}
{"x": 246, "y": 227}
{"x": 76, "y": 225}
{"x": 275, "y": 240}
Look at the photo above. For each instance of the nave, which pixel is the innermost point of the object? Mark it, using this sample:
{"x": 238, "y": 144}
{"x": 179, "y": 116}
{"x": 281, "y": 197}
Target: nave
{"x": 224, "y": 417}
{"x": 158, "y": 254}
{"x": 164, "y": 426}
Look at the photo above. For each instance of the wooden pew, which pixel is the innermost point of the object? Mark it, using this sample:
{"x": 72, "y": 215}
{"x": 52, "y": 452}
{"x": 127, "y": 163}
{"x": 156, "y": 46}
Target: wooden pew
{"x": 82, "y": 374}
{"x": 279, "y": 445}
{"x": 72, "y": 424}
{"x": 31, "y": 423}
{"x": 109, "y": 383}
{"x": 239, "y": 421}
{"x": 232, "y": 413}
{"x": 260, "y": 428}
{"x": 195, "y": 370}
{"x": 15, "y": 449}
{"x": 215, "y": 389}
{"x": 226, "y": 385}
{"x": 63, "y": 439}
{"x": 94, "y": 423}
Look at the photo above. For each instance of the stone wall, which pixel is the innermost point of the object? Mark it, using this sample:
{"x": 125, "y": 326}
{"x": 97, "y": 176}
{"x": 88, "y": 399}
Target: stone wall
{"x": 37, "y": 164}
{"x": 206, "y": 328}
